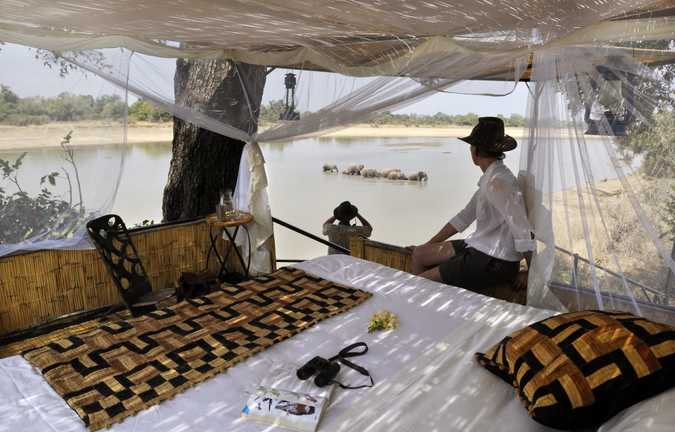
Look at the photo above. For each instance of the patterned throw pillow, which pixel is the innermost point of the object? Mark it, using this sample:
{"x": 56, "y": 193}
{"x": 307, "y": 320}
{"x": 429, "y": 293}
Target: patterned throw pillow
{"x": 578, "y": 369}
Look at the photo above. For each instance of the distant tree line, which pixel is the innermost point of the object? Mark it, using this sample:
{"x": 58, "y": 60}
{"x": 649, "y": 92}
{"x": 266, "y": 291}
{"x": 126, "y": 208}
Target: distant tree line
{"x": 37, "y": 110}
{"x": 441, "y": 119}
{"x": 272, "y": 111}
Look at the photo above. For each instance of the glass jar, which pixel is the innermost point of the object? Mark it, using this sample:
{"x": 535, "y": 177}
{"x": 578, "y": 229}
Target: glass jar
{"x": 225, "y": 208}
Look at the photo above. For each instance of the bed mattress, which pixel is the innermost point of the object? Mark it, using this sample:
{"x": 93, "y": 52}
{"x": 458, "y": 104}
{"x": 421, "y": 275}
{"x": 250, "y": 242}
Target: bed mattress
{"x": 424, "y": 372}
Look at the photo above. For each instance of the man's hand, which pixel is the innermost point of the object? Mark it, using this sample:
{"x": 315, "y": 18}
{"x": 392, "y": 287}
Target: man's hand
{"x": 412, "y": 248}
{"x": 520, "y": 281}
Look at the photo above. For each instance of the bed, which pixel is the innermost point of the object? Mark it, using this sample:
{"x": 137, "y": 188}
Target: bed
{"x": 426, "y": 377}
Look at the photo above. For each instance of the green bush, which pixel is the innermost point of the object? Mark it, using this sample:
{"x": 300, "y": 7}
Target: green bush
{"x": 45, "y": 215}
{"x": 26, "y": 120}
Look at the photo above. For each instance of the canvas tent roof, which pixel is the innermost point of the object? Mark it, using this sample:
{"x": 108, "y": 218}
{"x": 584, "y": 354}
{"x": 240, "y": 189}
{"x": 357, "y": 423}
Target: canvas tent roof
{"x": 350, "y": 37}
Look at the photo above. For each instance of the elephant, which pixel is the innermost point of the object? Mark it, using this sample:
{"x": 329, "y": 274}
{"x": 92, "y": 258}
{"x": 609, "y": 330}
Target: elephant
{"x": 418, "y": 176}
{"x": 354, "y": 169}
{"x": 397, "y": 176}
{"x": 330, "y": 167}
{"x": 386, "y": 171}
{"x": 370, "y": 173}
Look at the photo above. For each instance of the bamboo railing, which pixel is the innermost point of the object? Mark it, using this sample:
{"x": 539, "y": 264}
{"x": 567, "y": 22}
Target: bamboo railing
{"x": 400, "y": 258}
{"x": 40, "y": 286}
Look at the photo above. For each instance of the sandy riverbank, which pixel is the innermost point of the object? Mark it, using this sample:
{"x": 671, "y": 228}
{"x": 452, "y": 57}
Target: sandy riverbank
{"x": 28, "y": 137}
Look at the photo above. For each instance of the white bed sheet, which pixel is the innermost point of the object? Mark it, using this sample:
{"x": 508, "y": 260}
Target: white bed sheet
{"x": 425, "y": 376}
{"x": 428, "y": 312}
{"x": 446, "y": 389}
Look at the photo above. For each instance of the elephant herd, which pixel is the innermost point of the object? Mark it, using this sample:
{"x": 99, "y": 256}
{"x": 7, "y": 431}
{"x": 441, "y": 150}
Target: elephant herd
{"x": 388, "y": 173}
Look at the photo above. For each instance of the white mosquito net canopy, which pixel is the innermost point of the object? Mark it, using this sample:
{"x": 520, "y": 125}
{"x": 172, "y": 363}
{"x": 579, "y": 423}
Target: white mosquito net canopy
{"x": 590, "y": 66}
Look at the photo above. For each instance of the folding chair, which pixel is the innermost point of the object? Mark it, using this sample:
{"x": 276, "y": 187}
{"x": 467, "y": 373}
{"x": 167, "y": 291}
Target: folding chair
{"x": 113, "y": 242}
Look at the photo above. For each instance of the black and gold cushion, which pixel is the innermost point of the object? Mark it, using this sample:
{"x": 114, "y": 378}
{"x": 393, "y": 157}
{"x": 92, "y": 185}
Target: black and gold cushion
{"x": 578, "y": 369}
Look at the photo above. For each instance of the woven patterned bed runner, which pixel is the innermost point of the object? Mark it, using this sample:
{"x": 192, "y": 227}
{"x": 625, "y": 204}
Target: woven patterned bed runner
{"x": 117, "y": 370}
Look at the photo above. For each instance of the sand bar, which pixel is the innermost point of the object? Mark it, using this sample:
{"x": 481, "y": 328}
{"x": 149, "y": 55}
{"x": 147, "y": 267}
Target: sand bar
{"x": 28, "y": 137}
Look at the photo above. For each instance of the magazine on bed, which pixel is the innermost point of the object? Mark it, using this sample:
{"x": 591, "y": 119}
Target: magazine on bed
{"x": 283, "y": 399}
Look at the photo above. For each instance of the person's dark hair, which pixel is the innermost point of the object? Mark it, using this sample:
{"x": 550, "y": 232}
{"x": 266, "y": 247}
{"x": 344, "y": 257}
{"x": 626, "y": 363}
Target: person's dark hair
{"x": 489, "y": 154}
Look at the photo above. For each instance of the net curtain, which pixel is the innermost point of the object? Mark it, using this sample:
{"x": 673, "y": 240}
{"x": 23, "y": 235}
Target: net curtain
{"x": 357, "y": 98}
{"x": 69, "y": 164}
{"x": 557, "y": 155}
{"x": 565, "y": 174}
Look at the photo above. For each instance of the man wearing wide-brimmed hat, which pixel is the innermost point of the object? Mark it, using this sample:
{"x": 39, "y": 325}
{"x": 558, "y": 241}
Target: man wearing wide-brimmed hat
{"x": 491, "y": 255}
{"x": 340, "y": 233}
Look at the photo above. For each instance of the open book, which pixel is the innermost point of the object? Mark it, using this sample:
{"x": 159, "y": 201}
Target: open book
{"x": 285, "y": 400}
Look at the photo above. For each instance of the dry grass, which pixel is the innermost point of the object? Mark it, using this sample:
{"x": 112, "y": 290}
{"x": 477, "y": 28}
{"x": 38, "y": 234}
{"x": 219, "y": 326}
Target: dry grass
{"x": 618, "y": 232}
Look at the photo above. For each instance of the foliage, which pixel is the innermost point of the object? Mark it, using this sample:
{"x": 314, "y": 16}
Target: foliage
{"x": 439, "y": 119}
{"x": 93, "y": 57}
{"x": 45, "y": 216}
{"x": 653, "y": 92}
{"x": 657, "y": 146}
{"x": 144, "y": 111}
{"x": 146, "y": 222}
{"x": 669, "y": 207}
{"x": 651, "y": 135}
{"x": 271, "y": 112}
{"x": 37, "y": 110}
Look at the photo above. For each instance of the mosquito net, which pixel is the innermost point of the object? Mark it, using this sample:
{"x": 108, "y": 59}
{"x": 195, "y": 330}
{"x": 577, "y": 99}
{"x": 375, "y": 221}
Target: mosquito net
{"x": 596, "y": 160}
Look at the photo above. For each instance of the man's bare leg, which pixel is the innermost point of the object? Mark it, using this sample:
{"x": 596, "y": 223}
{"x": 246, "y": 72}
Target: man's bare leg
{"x": 433, "y": 274}
{"x": 428, "y": 256}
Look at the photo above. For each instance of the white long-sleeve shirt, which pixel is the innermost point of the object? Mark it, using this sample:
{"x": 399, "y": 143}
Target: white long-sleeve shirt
{"x": 502, "y": 228}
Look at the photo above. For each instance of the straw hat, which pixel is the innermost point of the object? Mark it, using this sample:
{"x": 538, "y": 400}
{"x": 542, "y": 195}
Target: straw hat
{"x": 489, "y": 135}
{"x": 345, "y": 212}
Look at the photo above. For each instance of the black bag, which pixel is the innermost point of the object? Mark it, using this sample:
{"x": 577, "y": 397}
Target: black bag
{"x": 193, "y": 285}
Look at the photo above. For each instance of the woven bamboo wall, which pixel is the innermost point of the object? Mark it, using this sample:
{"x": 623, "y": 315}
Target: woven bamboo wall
{"x": 42, "y": 285}
{"x": 400, "y": 258}
{"x": 392, "y": 256}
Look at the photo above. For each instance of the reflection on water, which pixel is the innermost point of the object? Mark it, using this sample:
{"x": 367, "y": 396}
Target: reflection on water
{"x": 401, "y": 212}
{"x": 146, "y": 170}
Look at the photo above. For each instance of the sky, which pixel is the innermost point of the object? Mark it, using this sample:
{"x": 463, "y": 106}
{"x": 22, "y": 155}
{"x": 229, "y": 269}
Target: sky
{"x": 27, "y": 76}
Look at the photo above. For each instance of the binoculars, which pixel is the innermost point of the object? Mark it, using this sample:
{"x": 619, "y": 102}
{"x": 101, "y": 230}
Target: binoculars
{"x": 325, "y": 370}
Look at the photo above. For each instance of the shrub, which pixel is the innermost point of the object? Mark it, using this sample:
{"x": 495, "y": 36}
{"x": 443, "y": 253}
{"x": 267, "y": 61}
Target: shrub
{"x": 45, "y": 216}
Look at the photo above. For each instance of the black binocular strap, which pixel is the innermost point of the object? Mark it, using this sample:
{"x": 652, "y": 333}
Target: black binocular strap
{"x": 347, "y": 352}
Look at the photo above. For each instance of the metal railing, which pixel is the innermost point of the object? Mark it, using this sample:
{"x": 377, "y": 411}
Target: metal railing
{"x": 308, "y": 235}
{"x": 659, "y": 297}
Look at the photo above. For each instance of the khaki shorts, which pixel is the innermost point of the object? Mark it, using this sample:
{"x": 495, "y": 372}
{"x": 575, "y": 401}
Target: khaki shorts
{"x": 475, "y": 270}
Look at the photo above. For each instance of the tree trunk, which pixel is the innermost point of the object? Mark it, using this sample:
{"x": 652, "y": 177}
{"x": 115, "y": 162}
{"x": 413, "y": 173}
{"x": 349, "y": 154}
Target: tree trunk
{"x": 203, "y": 162}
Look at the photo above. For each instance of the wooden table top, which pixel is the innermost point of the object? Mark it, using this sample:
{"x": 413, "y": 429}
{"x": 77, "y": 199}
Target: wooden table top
{"x": 212, "y": 219}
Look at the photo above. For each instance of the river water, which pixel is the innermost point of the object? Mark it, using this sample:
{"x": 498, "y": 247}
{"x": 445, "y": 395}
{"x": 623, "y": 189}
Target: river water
{"x": 300, "y": 193}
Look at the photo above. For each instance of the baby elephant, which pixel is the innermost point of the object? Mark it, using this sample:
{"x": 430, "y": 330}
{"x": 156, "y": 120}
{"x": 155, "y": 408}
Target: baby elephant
{"x": 397, "y": 176}
{"x": 353, "y": 169}
{"x": 370, "y": 173}
{"x": 386, "y": 171}
{"x": 418, "y": 176}
{"x": 330, "y": 167}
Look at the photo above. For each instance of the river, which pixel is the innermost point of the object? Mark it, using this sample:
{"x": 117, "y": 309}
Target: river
{"x": 300, "y": 193}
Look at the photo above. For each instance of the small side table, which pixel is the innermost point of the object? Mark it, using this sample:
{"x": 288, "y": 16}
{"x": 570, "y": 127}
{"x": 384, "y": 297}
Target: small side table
{"x": 213, "y": 221}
